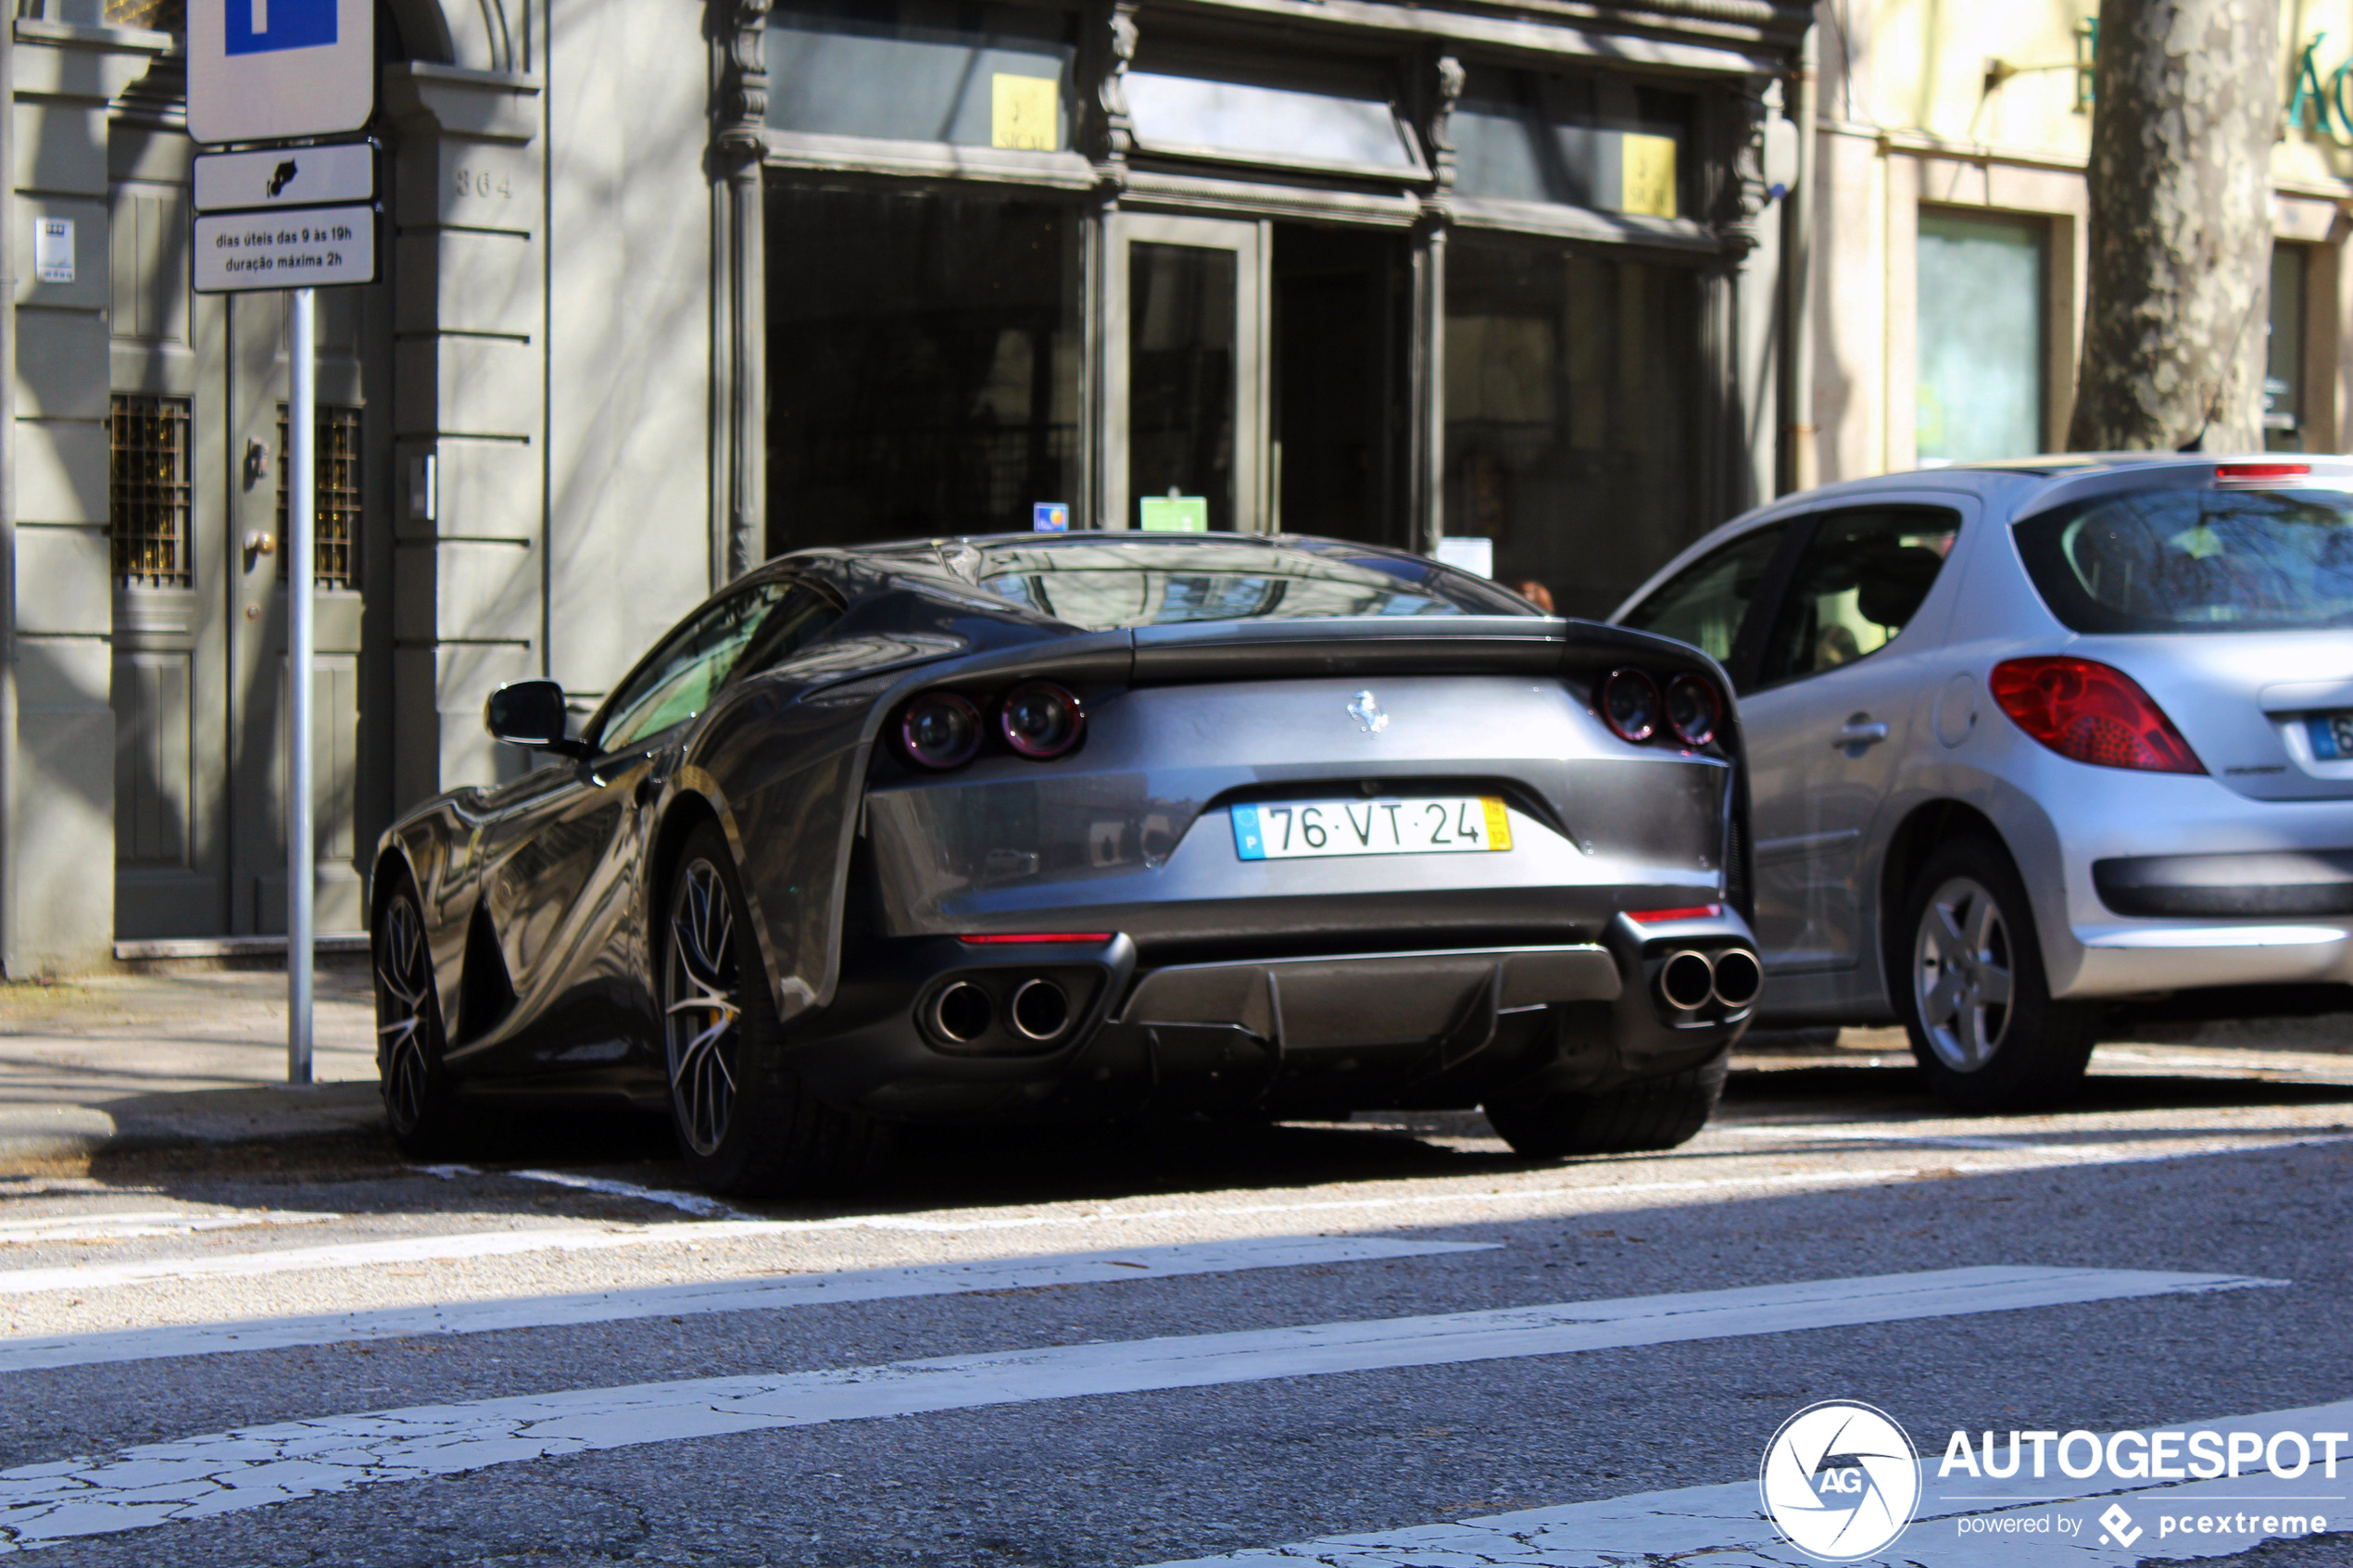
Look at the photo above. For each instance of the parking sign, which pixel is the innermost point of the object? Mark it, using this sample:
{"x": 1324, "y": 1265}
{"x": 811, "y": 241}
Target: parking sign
{"x": 269, "y": 71}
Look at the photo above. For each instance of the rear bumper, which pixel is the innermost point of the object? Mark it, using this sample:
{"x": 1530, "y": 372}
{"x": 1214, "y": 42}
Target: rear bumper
{"x": 2126, "y": 958}
{"x": 1290, "y": 1034}
{"x": 2294, "y": 883}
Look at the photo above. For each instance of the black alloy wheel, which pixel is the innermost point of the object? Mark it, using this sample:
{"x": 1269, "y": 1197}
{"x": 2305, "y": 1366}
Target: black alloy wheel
{"x": 418, "y": 1102}
{"x": 747, "y": 1123}
{"x": 702, "y": 1007}
{"x": 1965, "y": 973}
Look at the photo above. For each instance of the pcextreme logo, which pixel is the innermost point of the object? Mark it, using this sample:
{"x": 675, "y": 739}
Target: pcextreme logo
{"x": 1840, "y": 1480}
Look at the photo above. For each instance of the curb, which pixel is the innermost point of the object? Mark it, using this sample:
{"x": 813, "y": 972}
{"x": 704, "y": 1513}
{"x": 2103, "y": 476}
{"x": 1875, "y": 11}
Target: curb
{"x": 38, "y": 1137}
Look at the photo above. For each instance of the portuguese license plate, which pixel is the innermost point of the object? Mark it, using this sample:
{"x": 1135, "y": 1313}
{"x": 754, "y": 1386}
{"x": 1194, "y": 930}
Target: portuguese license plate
{"x": 2332, "y": 736}
{"x": 1424, "y": 824}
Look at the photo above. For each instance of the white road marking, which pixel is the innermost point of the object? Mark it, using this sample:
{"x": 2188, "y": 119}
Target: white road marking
{"x": 766, "y": 1293}
{"x": 202, "y": 1476}
{"x": 482, "y": 1244}
{"x": 369, "y": 1254}
{"x": 1957, "y": 1525}
{"x": 147, "y": 1222}
{"x": 695, "y": 1203}
{"x": 1877, "y": 1135}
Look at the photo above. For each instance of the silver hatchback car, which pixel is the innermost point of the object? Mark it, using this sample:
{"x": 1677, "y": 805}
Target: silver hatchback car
{"x": 2025, "y": 738}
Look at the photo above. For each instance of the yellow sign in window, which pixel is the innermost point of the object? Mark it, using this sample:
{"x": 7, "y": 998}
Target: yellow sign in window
{"x": 1024, "y": 113}
{"x": 1647, "y": 174}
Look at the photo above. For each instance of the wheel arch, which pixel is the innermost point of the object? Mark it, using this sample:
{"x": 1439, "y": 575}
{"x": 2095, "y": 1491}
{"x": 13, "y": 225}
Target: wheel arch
{"x": 1918, "y": 836}
{"x": 686, "y": 812}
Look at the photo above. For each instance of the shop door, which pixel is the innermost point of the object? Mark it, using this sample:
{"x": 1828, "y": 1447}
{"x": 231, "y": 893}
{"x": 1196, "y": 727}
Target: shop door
{"x": 196, "y": 514}
{"x": 1186, "y": 360}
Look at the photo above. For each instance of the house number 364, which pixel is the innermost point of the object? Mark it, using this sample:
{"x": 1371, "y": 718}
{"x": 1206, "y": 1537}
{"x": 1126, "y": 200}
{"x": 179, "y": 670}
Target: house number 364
{"x": 480, "y": 182}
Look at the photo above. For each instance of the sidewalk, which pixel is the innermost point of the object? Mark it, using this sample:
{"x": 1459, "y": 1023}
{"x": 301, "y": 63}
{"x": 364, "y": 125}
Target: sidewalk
{"x": 122, "y": 1062}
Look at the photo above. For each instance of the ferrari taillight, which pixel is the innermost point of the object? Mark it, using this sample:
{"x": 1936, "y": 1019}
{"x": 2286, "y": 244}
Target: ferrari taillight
{"x": 2090, "y": 712}
{"x": 1629, "y": 705}
{"x": 939, "y": 729}
{"x": 1041, "y": 720}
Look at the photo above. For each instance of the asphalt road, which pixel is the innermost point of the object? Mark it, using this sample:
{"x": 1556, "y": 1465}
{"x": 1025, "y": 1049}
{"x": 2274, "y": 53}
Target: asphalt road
{"x": 1150, "y": 1345}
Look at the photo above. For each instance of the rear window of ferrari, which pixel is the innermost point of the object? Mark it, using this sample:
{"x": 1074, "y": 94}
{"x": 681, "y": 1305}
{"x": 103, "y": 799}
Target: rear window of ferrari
{"x": 2195, "y": 560}
{"x": 1103, "y": 586}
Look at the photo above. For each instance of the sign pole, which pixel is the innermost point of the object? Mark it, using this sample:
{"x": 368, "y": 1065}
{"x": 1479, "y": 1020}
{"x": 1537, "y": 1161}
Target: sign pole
{"x": 302, "y": 512}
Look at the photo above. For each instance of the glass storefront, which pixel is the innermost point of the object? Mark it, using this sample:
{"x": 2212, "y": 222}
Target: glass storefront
{"x": 1572, "y": 415}
{"x": 922, "y": 70}
{"x": 923, "y": 363}
{"x": 2283, "y": 351}
{"x": 1222, "y": 326}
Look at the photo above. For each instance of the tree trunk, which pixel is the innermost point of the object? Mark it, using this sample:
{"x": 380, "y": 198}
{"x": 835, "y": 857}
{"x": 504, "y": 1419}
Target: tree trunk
{"x": 2186, "y": 109}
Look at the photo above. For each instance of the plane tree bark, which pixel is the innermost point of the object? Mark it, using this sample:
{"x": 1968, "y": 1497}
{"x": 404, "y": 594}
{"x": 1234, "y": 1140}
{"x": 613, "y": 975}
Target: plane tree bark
{"x": 2186, "y": 108}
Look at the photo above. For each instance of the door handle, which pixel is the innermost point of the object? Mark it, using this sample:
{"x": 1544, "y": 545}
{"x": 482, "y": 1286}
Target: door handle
{"x": 1860, "y": 732}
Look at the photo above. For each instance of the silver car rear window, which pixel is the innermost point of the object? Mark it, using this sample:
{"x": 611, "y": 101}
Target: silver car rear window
{"x": 1104, "y": 586}
{"x": 2195, "y": 560}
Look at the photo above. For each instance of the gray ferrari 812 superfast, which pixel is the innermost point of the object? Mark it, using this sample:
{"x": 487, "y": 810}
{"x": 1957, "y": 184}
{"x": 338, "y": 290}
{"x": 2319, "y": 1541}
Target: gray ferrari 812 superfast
{"x": 994, "y": 830}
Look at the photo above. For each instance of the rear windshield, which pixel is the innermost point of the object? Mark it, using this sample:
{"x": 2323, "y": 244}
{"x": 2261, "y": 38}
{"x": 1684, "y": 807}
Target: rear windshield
{"x": 2197, "y": 560}
{"x": 1104, "y": 586}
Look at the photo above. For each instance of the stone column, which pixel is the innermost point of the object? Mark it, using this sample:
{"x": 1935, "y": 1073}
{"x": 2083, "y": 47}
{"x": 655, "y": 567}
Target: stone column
{"x": 469, "y": 410}
{"x": 59, "y": 841}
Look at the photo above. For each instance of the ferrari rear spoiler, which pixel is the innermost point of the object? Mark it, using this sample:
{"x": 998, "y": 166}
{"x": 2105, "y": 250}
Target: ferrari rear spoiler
{"x": 1463, "y": 644}
{"x": 1343, "y": 645}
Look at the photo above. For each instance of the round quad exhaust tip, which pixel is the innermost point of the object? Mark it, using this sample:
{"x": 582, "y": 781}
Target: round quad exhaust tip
{"x": 1739, "y": 978}
{"x": 1686, "y": 980}
{"x": 961, "y": 1012}
{"x": 1041, "y": 1009}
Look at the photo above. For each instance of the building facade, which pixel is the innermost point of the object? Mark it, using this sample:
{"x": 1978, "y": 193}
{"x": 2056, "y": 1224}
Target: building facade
{"x": 1948, "y": 260}
{"x": 671, "y": 288}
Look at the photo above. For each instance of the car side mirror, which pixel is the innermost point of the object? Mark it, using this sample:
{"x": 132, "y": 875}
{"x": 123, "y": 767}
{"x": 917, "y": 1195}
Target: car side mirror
{"x": 532, "y": 713}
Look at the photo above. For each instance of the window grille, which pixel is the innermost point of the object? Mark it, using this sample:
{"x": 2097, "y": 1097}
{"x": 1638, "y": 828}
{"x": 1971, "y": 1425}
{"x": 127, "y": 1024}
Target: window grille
{"x": 335, "y": 483}
{"x": 149, "y": 468}
{"x": 161, "y": 16}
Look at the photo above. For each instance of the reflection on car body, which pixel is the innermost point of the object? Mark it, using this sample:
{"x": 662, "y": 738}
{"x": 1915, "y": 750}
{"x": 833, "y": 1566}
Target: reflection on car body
{"x": 947, "y": 831}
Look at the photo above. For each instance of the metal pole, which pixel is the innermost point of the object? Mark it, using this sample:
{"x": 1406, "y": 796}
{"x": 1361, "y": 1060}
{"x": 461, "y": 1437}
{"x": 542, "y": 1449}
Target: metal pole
{"x": 1798, "y": 220}
{"x": 301, "y": 523}
{"x": 10, "y": 934}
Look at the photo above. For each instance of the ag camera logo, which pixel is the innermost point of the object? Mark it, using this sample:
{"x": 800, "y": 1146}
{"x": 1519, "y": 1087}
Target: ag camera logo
{"x": 1840, "y": 1480}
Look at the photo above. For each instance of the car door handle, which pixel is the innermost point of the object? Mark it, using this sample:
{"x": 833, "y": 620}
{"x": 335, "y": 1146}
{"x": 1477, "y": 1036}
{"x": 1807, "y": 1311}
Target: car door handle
{"x": 1859, "y": 731}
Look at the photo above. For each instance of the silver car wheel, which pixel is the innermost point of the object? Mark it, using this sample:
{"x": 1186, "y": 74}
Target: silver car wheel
{"x": 702, "y": 1005}
{"x": 1961, "y": 975}
{"x": 403, "y": 989}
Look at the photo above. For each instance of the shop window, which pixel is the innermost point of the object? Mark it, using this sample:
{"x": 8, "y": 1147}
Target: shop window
{"x": 923, "y": 363}
{"x": 1204, "y": 104}
{"x": 335, "y": 482}
{"x": 1571, "y": 385}
{"x": 161, "y": 16}
{"x": 150, "y": 467}
{"x": 1181, "y": 376}
{"x": 2284, "y": 360}
{"x": 1575, "y": 141}
{"x": 922, "y": 70}
{"x": 1983, "y": 282}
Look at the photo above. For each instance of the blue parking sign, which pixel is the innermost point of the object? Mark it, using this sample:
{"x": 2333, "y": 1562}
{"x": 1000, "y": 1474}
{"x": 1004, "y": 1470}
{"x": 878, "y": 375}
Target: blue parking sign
{"x": 257, "y": 27}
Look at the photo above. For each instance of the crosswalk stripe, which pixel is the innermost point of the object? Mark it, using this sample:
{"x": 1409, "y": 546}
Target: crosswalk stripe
{"x": 205, "y": 1476}
{"x": 137, "y": 1224}
{"x": 1721, "y": 1526}
{"x": 768, "y": 1292}
{"x": 487, "y": 1244}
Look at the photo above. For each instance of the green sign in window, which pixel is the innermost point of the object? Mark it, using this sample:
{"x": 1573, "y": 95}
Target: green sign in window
{"x": 1175, "y": 514}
